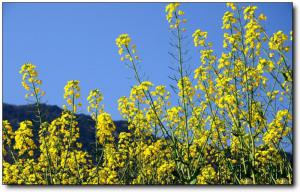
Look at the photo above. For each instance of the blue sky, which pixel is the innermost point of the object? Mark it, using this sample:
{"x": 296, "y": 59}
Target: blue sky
{"x": 77, "y": 41}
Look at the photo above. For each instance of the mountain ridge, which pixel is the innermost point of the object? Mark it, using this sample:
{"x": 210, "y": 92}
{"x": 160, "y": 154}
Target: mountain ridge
{"x": 18, "y": 113}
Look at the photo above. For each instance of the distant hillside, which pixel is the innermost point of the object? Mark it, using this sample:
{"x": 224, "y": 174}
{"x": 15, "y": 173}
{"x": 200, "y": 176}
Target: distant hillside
{"x": 17, "y": 113}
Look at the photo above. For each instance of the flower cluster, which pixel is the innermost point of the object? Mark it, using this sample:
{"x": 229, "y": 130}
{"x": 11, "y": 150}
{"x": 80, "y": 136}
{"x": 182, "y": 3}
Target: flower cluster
{"x": 105, "y": 128}
{"x": 30, "y": 80}
{"x": 8, "y": 135}
{"x": 72, "y": 92}
{"x": 277, "y": 41}
{"x": 199, "y": 37}
{"x": 95, "y": 97}
{"x": 24, "y": 139}
{"x": 127, "y": 51}
{"x": 174, "y": 16}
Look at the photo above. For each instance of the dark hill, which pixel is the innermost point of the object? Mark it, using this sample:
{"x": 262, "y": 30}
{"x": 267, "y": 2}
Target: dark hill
{"x": 17, "y": 113}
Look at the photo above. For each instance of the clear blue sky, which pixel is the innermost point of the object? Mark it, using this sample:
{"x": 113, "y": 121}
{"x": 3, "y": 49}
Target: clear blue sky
{"x": 77, "y": 41}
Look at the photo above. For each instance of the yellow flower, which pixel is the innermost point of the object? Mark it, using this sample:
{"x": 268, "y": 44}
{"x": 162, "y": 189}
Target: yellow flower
{"x": 94, "y": 99}
{"x": 8, "y": 134}
{"x": 186, "y": 90}
{"x": 23, "y": 137}
{"x": 199, "y": 37}
{"x": 262, "y": 17}
{"x": 208, "y": 175}
{"x": 228, "y": 20}
{"x": 170, "y": 9}
{"x": 123, "y": 40}
{"x": 277, "y": 41}
{"x": 249, "y": 12}
{"x": 30, "y": 80}
{"x": 231, "y": 5}
{"x": 105, "y": 128}
{"x": 72, "y": 92}
{"x": 174, "y": 15}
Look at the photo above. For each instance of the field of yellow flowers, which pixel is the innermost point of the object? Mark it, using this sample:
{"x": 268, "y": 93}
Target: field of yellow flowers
{"x": 230, "y": 125}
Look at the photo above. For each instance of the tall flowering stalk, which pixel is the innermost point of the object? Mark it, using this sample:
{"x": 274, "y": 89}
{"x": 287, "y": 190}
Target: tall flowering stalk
{"x": 31, "y": 83}
{"x": 72, "y": 92}
{"x": 94, "y": 99}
